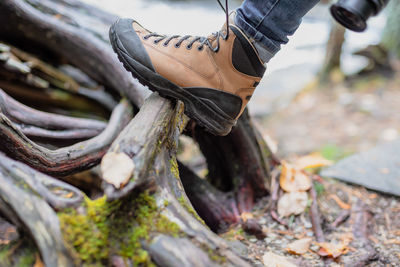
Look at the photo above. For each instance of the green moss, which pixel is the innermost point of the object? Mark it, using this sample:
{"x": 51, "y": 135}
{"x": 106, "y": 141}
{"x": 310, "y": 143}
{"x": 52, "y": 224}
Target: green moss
{"x": 166, "y": 203}
{"x": 116, "y": 228}
{"x": 214, "y": 256}
{"x": 21, "y": 252}
{"x": 189, "y": 208}
{"x": 174, "y": 167}
{"x": 28, "y": 259}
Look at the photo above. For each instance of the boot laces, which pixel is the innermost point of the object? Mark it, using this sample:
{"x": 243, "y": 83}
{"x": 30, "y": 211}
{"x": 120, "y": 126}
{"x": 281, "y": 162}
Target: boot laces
{"x": 196, "y": 39}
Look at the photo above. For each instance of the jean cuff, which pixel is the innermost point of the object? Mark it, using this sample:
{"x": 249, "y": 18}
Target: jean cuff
{"x": 262, "y": 41}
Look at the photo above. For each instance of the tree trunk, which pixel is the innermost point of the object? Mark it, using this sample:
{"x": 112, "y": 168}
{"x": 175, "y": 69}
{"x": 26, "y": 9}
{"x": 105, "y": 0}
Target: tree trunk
{"x": 333, "y": 52}
{"x": 391, "y": 34}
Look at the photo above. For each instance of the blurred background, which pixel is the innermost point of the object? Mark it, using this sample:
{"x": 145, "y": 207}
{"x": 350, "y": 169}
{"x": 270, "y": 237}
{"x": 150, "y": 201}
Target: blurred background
{"x": 327, "y": 90}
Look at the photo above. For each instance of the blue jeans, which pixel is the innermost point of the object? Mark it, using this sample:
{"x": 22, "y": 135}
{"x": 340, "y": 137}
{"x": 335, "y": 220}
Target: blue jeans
{"x": 269, "y": 22}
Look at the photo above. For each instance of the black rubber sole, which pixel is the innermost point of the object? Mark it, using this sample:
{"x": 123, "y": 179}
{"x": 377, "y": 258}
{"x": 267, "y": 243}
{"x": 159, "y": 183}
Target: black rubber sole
{"x": 204, "y": 114}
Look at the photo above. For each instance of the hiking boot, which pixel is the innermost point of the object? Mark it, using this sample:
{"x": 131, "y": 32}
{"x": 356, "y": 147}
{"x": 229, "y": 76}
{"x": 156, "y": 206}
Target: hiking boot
{"x": 214, "y": 76}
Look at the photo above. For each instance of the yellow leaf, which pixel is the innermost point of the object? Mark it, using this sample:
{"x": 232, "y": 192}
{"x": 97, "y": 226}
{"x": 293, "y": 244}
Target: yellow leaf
{"x": 293, "y": 180}
{"x": 312, "y": 160}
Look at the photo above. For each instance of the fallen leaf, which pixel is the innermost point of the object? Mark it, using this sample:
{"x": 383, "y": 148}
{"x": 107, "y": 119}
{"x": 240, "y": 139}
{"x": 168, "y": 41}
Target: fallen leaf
{"x": 117, "y": 168}
{"x": 396, "y": 232}
{"x": 392, "y": 241}
{"x": 38, "y": 262}
{"x": 332, "y": 250}
{"x": 246, "y": 215}
{"x": 292, "y": 203}
{"x": 300, "y": 246}
{"x": 340, "y": 203}
{"x": 273, "y": 260}
{"x": 292, "y": 179}
{"x": 373, "y": 196}
{"x": 313, "y": 160}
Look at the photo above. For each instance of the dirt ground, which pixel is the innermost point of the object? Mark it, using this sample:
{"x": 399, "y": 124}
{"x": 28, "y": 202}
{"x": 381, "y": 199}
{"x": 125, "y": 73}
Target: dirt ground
{"x": 336, "y": 121}
{"x": 352, "y": 117}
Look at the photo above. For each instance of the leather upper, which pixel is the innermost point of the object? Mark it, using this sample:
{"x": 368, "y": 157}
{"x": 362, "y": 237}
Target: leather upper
{"x": 194, "y": 68}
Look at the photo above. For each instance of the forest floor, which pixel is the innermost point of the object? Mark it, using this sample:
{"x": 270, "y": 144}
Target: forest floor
{"x": 336, "y": 121}
{"x": 360, "y": 227}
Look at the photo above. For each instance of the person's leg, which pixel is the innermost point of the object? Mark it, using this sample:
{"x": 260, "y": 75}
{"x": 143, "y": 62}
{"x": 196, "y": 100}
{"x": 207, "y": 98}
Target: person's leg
{"x": 269, "y": 23}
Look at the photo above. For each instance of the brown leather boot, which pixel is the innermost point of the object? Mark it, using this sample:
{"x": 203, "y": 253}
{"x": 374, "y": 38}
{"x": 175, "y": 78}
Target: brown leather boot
{"x": 215, "y": 77}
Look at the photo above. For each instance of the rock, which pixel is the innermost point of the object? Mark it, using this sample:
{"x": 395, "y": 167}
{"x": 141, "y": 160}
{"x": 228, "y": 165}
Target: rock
{"x": 377, "y": 169}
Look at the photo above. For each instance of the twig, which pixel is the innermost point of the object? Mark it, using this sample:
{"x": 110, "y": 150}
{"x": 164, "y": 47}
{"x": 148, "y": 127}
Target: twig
{"x": 343, "y": 216}
{"x": 275, "y": 216}
{"x": 274, "y": 190}
{"x": 315, "y": 217}
{"x": 360, "y": 232}
{"x": 274, "y": 197}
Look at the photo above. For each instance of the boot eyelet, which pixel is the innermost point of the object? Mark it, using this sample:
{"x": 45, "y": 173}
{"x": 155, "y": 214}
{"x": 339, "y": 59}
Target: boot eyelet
{"x": 177, "y": 45}
{"x": 200, "y": 48}
{"x": 164, "y": 44}
{"x": 188, "y": 47}
{"x": 155, "y": 42}
{"x": 145, "y": 37}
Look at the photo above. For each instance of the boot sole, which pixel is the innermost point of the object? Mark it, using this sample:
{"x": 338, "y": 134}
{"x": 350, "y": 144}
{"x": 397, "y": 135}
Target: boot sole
{"x": 206, "y": 116}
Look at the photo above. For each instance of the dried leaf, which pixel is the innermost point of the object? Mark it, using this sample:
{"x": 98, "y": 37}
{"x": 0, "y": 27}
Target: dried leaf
{"x": 117, "y": 168}
{"x": 246, "y": 216}
{"x": 300, "y": 246}
{"x": 392, "y": 241}
{"x": 340, "y": 203}
{"x": 38, "y": 261}
{"x": 313, "y": 160}
{"x": 292, "y": 203}
{"x": 273, "y": 260}
{"x": 332, "y": 250}
{"x": 292, "y": 179}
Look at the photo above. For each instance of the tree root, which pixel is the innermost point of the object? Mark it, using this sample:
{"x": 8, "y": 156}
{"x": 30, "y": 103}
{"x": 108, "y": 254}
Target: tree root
{"x": 67, "y": 160}
{"x": 23, "y": 196}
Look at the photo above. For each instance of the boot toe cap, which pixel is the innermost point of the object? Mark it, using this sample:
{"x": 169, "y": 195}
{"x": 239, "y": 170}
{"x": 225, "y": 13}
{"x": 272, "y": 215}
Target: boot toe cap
{"x": 124, "y": 36}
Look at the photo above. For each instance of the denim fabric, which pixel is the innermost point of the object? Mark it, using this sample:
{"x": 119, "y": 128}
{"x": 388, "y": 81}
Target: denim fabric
{"x": 270, "y": 22}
